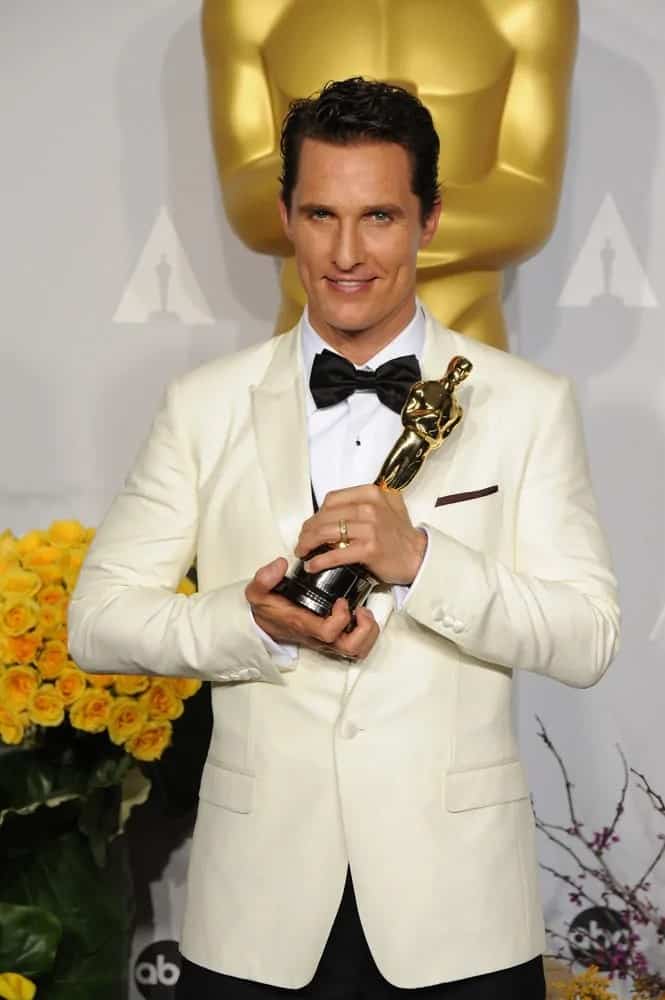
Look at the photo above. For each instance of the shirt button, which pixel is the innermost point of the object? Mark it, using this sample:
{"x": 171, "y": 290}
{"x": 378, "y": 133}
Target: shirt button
{"x": 253, "y": 672}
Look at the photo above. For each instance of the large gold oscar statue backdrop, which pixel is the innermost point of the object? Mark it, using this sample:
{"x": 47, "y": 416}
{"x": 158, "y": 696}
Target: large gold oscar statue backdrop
{"x": 495, "y": 74}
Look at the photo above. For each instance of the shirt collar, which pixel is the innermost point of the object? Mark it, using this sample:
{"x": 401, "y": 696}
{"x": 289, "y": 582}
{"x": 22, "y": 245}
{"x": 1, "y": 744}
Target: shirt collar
{"x": 411, "y": 340}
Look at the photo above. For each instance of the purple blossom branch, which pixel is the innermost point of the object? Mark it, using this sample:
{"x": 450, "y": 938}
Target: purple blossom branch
{"x": 572, "y": 884}
{"x": 656, "y": 800}
{"x": 623, "y": 957}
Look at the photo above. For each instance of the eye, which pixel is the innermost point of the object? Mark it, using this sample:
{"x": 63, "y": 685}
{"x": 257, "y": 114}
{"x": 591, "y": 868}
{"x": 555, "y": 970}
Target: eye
{"x": 380, "y": 216}
{"x": 319, "y": 213}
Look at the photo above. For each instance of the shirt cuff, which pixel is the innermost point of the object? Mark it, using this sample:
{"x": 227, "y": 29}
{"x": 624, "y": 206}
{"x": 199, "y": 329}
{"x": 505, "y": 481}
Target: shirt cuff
{"x": 284, "y": 654}
{"x": 402, "y": 591}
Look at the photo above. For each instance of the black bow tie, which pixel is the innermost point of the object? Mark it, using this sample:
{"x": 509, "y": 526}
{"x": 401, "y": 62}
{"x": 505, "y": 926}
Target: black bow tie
{"x": 333, "y": 378}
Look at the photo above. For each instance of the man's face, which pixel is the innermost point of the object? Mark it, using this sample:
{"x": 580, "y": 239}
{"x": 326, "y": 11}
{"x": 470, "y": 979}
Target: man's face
{"x": 356, "y": 229}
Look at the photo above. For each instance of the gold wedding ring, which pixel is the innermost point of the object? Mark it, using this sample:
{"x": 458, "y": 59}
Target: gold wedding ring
{"x": 343, "y": 534}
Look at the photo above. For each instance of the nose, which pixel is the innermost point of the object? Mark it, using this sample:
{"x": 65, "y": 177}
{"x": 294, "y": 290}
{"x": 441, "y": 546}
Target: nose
{"x": 348, "y": 249}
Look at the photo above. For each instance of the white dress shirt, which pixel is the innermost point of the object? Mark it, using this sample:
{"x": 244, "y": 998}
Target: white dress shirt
{"x": 349, "y": 441}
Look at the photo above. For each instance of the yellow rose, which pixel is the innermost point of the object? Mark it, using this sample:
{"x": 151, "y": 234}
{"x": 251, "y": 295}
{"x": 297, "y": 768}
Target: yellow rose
{"x": 32, "y": 540}
{"x": 6, "y": 655}
{"x": 186, "y": 587}
{"x": 185, "y": 687}
{"x": 52, "y": 595}
{"x": 60, "y": 632}
{"x": 161, "y": 701}
{"x": 17, "y": 686}
{"x": 126, "y": 719}
{"x": 65, "y": 533}
{"x": 50, "y": 574}
{"x": 7, "y": 541}
{"x": 8, "y": 562}
{"x": 16, "y": 987}
{"x": 100, "y": 680}
{"x": 73, "y": 558}
{"x": 52, "y": 659}
{"x": 19, "y": 581}
{"x": 90, "y": 534}
{"x": 151, "y": 741}
{"x": 46, "y": 561}
{"x": 51, "y": 619}
{"x": 42, "y": 555}
{"x": 12, "y": 727}
{"x": 46, "y": 707}
{"x": 70, "y": 684}
{"x": 22, "y": 648}
{"x": 131, "y": 683}
{"x": 18, "y": 614}
{"x": 91, "y": 711}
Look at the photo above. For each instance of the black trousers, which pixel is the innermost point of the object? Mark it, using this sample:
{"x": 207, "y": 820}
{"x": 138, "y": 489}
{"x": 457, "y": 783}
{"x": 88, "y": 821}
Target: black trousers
{"x": 347, "y": 971}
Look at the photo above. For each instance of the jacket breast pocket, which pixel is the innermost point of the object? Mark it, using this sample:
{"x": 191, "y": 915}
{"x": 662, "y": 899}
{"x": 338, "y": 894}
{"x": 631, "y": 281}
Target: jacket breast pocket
{"x": 485, "y": 786}
{"x": 229, "y": 789}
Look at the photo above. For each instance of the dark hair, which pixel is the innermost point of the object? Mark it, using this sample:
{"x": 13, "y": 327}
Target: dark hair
{"x": 358, "y": 110}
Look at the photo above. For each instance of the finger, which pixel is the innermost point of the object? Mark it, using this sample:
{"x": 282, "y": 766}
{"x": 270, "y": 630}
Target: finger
{"x": 358, "y": 550}
{"x": 368, "y": 493}
{"x": 358, "y": 643}
{"x": 265, "y": 578}
{"x": 328, "y": 531}
{"x": 330, "y": 628}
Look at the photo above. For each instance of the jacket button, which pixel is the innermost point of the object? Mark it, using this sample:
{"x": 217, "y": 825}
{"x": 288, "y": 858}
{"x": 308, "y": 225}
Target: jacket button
{"x": 349, "y": 730}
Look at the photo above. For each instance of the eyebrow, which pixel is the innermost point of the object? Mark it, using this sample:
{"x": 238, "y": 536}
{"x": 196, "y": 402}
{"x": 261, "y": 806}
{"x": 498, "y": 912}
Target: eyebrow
{"x": 388, "y": 207}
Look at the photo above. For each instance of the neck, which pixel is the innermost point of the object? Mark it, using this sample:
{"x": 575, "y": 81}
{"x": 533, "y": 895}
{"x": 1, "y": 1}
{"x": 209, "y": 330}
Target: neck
{"x": 358, "y": 346}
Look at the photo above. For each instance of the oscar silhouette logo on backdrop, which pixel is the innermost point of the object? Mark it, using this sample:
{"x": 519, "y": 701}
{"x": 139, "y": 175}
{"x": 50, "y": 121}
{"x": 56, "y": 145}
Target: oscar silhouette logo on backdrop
{"x": 163, "y": 286}
{"x": 496, "y": 79}
{"x": 607, "y": 268}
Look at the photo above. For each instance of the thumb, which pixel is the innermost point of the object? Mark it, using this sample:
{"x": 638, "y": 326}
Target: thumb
{"x": 270, "y": 574}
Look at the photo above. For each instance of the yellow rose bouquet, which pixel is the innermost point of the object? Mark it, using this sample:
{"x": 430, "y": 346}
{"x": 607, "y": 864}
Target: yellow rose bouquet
{"x": 40, "y": 685}
{"x": 77, "y": 752}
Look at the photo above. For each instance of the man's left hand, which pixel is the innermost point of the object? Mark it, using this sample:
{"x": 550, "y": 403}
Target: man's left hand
{"x": 380, "y": 532}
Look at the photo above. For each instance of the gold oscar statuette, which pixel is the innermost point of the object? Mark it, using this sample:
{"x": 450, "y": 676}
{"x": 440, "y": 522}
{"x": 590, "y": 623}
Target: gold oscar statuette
{"x": 429, "y": 414}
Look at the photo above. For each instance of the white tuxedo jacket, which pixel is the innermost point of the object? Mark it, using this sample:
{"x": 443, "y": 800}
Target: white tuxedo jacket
{"x": 404, "y": 765}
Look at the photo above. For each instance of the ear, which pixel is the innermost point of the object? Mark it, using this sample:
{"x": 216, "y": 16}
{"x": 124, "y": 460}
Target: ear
{"x": 284, "y": 216}
{"x": 431, "y": 225}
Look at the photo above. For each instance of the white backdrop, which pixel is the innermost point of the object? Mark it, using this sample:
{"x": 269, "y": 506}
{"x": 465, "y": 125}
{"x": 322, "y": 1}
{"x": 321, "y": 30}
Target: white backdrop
{"x": 119, "y": 271}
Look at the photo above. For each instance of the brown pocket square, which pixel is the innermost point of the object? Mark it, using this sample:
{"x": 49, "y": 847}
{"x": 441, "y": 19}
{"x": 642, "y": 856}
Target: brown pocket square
{"x": 471, "y": 495}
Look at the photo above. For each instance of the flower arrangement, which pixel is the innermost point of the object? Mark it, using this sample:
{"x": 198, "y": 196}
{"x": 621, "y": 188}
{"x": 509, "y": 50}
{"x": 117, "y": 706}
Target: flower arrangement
{"x": 40, "y": 685}
{"x": 77, "y": 752}
{"x": 613, "y": 914}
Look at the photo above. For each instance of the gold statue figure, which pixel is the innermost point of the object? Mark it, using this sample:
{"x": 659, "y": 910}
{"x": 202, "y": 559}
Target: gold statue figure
{"x": 429, "y": 415}
{"x": 495, "y": 75}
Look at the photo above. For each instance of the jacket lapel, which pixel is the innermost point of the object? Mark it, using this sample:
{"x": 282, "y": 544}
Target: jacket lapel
{"x": 280, "y": 426}
{"x": 441, "y": 344}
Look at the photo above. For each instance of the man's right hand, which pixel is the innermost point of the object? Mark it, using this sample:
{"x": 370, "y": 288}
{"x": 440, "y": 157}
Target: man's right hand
{"x": 285, "y": 622}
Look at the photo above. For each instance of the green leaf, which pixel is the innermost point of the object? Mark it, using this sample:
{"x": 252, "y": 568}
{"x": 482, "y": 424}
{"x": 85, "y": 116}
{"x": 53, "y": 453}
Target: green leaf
{"x": 94, "y": 906}
{"x": 67, "y": 765}
{"x": 29, "y": 937}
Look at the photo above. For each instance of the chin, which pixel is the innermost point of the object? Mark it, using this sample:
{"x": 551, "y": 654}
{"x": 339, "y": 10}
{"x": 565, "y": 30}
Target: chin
{"x": 352, "y": 318}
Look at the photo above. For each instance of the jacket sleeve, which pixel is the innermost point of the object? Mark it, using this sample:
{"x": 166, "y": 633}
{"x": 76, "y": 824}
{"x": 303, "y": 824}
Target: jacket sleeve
{"x": 124, "y": 614}
{"x": 554, "y": 611}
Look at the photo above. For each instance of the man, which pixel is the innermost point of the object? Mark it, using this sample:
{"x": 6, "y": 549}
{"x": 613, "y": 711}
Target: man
{"x": 377, "y": 766}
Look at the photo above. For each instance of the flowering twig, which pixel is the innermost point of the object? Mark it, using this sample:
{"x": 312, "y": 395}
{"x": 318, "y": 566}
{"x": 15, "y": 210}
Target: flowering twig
{"x": 622, "y": 956}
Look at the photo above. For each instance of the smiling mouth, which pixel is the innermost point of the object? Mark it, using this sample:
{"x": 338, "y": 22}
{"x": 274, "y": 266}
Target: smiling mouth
{"x": 349, "y": 284}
